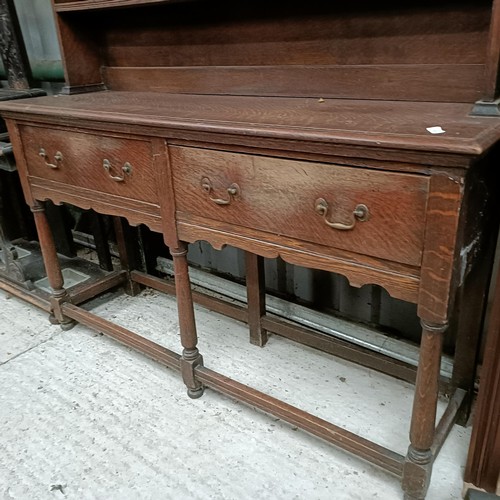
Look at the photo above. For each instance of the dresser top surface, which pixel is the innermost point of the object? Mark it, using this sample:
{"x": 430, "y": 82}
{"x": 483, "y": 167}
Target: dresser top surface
{"x": 416, "y": 126}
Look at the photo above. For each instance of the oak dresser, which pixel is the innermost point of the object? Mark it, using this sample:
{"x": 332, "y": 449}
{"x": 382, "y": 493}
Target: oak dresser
{"x": 359, "y": 139}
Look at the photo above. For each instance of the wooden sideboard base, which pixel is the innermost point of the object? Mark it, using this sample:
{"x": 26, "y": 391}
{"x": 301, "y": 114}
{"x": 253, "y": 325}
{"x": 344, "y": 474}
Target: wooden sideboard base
{"x": 243, "y": 124}
{"x": 365, "y": 449}
{"x": 388, "y": 460}
{"x": 236, "y": 175}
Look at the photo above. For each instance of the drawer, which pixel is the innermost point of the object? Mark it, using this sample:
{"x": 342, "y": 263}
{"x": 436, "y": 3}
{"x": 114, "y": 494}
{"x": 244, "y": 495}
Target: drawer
{"x": 118, "y": 166}
{"x": 370, "y": 212}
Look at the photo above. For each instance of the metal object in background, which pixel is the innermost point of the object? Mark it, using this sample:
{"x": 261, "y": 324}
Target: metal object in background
{"x": 6, "y": 157}
{"x": 38, "y": 51}
{"x": 14, "y": 56}
{"x": 9, "y": 257}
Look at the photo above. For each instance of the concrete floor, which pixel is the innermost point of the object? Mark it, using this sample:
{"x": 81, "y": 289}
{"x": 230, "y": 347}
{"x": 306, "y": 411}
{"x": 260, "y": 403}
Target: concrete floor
{"x": 83, "y": 417}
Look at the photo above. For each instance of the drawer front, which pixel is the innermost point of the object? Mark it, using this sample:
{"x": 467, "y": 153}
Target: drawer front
{"x": 123, "y": 167}
{"x": 370, "y": 212}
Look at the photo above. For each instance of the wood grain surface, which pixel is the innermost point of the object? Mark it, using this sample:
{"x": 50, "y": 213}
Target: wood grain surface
{"x": 439, "y": 266}
{"x": 381, "y": 81}
{"x": 238, "y": 118}
{"x": 279, "y": 196}
{"x": 91, "y": 150}
{"x": 374, "y": 124}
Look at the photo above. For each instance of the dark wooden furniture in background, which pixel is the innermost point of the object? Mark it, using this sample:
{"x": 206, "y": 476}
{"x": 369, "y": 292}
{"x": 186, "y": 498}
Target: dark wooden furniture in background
{"x": 339, "y": 137}
{"x": 483, "y": 464}
{"x": 15, "y": 218}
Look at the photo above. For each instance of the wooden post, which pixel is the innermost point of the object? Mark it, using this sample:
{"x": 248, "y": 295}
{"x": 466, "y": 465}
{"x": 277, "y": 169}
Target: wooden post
{"x": 127, "y": 252}
{"x": 489, "y": 105}
{"x": 59, "y": 294}
{"x": 492, "y": 70}
{"x": 101, "y": 241}
{"x": 256, "y": 298}
{"x": 418, "y": 464}
{"x": 191, "y": 358}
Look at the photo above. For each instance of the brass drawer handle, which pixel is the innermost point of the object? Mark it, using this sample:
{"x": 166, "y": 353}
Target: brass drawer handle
{"x": 233, "y": 190}
{"x": 360, "y": 213}
{"x": 126, "y": 169}
{"x": 58, "y": 157}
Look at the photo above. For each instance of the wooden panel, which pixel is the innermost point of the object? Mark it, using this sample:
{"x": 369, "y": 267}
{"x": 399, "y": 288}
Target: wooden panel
{"x": 226, "y": 33}
{"x": 136, "y": 212}
{"x": 280, "y": 197}
{"x": 82, "y": 162}
{"x": 74, "y": 38}
{"x": 15, "y": 138}
{"x": 418, "y": 52}
{"x": 441, "y": 238}
{"x": 177, "y": 34}
{"x": 492, "y": 89}
{"x": 353, "y": 129}
{"x": 401, "y": 284}
{"x": 382, "y": 50}
{"x": 391, "y": 82}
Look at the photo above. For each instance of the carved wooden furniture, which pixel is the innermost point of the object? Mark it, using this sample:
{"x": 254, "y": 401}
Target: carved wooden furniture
{"x": 342, "y": 138}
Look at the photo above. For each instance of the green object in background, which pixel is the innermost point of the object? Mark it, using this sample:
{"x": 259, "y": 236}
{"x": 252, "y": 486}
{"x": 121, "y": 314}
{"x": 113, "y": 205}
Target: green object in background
{"x": 47, "y": 71}
{"x": 43, "y": 71}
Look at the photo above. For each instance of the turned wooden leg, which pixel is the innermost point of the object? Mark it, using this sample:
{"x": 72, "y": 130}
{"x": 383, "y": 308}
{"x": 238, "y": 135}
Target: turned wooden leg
{"x": 53, "y": 269}
{"x": 256, "y": 298}
{"x": 191, "y": 358}
{"x": 418, "y": 464}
